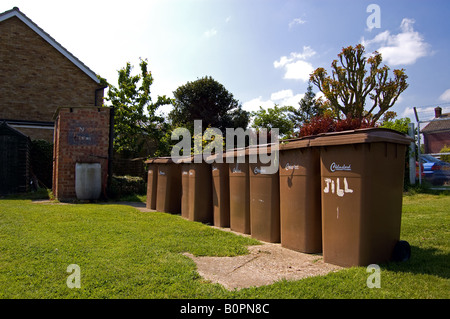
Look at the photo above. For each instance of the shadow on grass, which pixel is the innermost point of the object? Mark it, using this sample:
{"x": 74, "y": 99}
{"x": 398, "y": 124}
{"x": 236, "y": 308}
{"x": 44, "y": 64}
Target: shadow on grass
{"x": 427, "y": 261}
{"x": 40, "y": 193}
{"x": 46, "y": 194}
{"x": 132, "y": 198}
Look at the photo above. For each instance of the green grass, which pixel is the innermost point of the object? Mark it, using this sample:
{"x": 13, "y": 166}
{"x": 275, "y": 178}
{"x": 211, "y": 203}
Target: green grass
{"x": 124, "y": 253}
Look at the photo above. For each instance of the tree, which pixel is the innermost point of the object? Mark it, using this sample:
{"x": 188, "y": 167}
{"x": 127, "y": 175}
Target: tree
{"x": 275, "y": 117}
{"x": 309, "y": 107}
{"x": 400, "y": 125}
{"x": 207, "y": 100}
{"x": 351, "y": 84}
{"x": 135, "y": 121}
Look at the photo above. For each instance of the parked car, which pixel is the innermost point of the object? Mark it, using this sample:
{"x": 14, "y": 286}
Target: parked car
{"x": 436, "y": 171}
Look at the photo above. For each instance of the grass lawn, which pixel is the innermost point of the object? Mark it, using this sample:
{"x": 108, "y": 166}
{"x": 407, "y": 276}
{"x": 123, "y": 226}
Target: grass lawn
{"x": 124, "y": 253}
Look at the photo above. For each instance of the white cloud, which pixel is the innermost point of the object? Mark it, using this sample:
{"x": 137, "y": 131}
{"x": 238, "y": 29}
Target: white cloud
{"x": 403, "y": 48}
{"x": 210, "y": 33}
{"x": 408, "y": 112}
{"x": 293, "y": 100}
{"x": 299, "y": 70}
{"x": 445, "y": 97}
{"x": 296, "y": 21}
{"x": 295, "y": 65}
{"x": 284, "y": 60}
{"x": 280, "y": 95}
{"x": 286, "y": 98}
{"x": 281, "y": 98}
{"x": 254, "y": 104}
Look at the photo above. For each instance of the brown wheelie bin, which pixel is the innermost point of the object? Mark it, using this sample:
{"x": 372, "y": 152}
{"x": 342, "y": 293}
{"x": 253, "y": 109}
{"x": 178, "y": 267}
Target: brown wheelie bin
{"x": 168, "y": 196}
{"x": 362, "y": 187}
{"x": 264, "y": 202}
{"x": 151, "y": 184}
{"x": 239, "y": 183}
{"x": 300, "y": 210}
{"x": 220, "y": 194}
{"x": 200, "y": 193}
{"x": 220, "y": 190}
{"x": 185, "y": 189}
{"x": 185, "y": 165}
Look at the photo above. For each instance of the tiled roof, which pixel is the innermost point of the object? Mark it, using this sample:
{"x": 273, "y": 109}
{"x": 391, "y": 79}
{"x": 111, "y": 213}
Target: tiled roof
{"x": 442, "y": 124}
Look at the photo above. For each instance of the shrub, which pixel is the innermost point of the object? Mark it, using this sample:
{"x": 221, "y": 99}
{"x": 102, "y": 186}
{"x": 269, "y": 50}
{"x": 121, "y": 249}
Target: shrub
{"x": 353, "y": 124}
{"x": 127, "y": 185}
{"x": 325, "y": 124}
{"x": 317, "y": 125}
{"x": 445, "y": 158}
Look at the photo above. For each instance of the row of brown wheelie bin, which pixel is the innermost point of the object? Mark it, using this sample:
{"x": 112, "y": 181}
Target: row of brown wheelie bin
{"x": 339, "y": 194}
{"x": 180, "y": 187}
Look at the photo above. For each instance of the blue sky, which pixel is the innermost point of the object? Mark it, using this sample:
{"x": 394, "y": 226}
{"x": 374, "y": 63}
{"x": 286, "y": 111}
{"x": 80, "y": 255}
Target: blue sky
{"x": 261, "y": 50}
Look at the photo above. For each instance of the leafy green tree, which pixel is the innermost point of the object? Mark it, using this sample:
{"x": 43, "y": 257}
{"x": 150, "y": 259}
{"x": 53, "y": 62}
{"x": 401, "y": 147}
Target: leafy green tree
{"x": 275, "y": 117}
{"x": 355, "y": 79}
{"x": 207, "y": 100}
{"x": 135, "y": 119}
{"x": 400, "y": 125}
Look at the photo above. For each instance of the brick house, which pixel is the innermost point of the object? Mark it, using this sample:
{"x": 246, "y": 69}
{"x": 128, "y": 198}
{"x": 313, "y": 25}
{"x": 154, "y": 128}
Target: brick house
{"x": 38, "y": 75}
{"x": 436, "y": 134}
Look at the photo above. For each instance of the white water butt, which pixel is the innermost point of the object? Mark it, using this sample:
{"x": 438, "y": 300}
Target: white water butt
{"x": 88, "y": 180}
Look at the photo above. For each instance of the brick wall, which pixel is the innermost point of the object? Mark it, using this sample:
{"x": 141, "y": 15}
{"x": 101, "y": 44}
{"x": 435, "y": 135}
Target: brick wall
{"x": 435, "y": 142}
{"x": 82, "y": 136}
{"x": 35, "y": 78}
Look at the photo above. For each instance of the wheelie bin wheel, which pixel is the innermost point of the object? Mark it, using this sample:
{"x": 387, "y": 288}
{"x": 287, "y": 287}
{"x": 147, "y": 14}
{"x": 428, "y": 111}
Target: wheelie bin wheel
{"x": 402, "y": 251}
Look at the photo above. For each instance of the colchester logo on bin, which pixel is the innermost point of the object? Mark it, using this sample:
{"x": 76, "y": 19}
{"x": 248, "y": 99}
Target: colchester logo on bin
{"x": 336, "y": 167}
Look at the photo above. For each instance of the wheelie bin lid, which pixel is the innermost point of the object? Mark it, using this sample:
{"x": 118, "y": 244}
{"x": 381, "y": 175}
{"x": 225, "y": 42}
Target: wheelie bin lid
{"x": 265, "y": 148}
{"x": 301, "y": 142}
{"x": 168, "y": 160}
{"x": 214, "y": 157}
{"x": 243, "y": 151}
{"x": 367, "y": 135}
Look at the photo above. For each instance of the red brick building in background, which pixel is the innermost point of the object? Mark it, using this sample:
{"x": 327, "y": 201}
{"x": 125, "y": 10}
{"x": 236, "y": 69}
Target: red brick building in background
{"x": 37, "y": 75}
{"x": 436, "y": 134}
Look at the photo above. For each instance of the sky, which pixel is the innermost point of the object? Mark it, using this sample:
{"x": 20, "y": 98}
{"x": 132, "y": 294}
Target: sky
{"x": 262, "y": 51}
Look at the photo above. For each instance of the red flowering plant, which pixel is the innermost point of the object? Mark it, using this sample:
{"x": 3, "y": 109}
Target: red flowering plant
{"x": 325, "y": 124}
{"x": 317, "y": 125}
{"x": 350, "y": 123}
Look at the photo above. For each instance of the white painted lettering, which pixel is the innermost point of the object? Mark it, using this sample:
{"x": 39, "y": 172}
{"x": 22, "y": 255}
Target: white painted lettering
{"x": 327, "y": 187}
{"x": 334, "y": 187}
